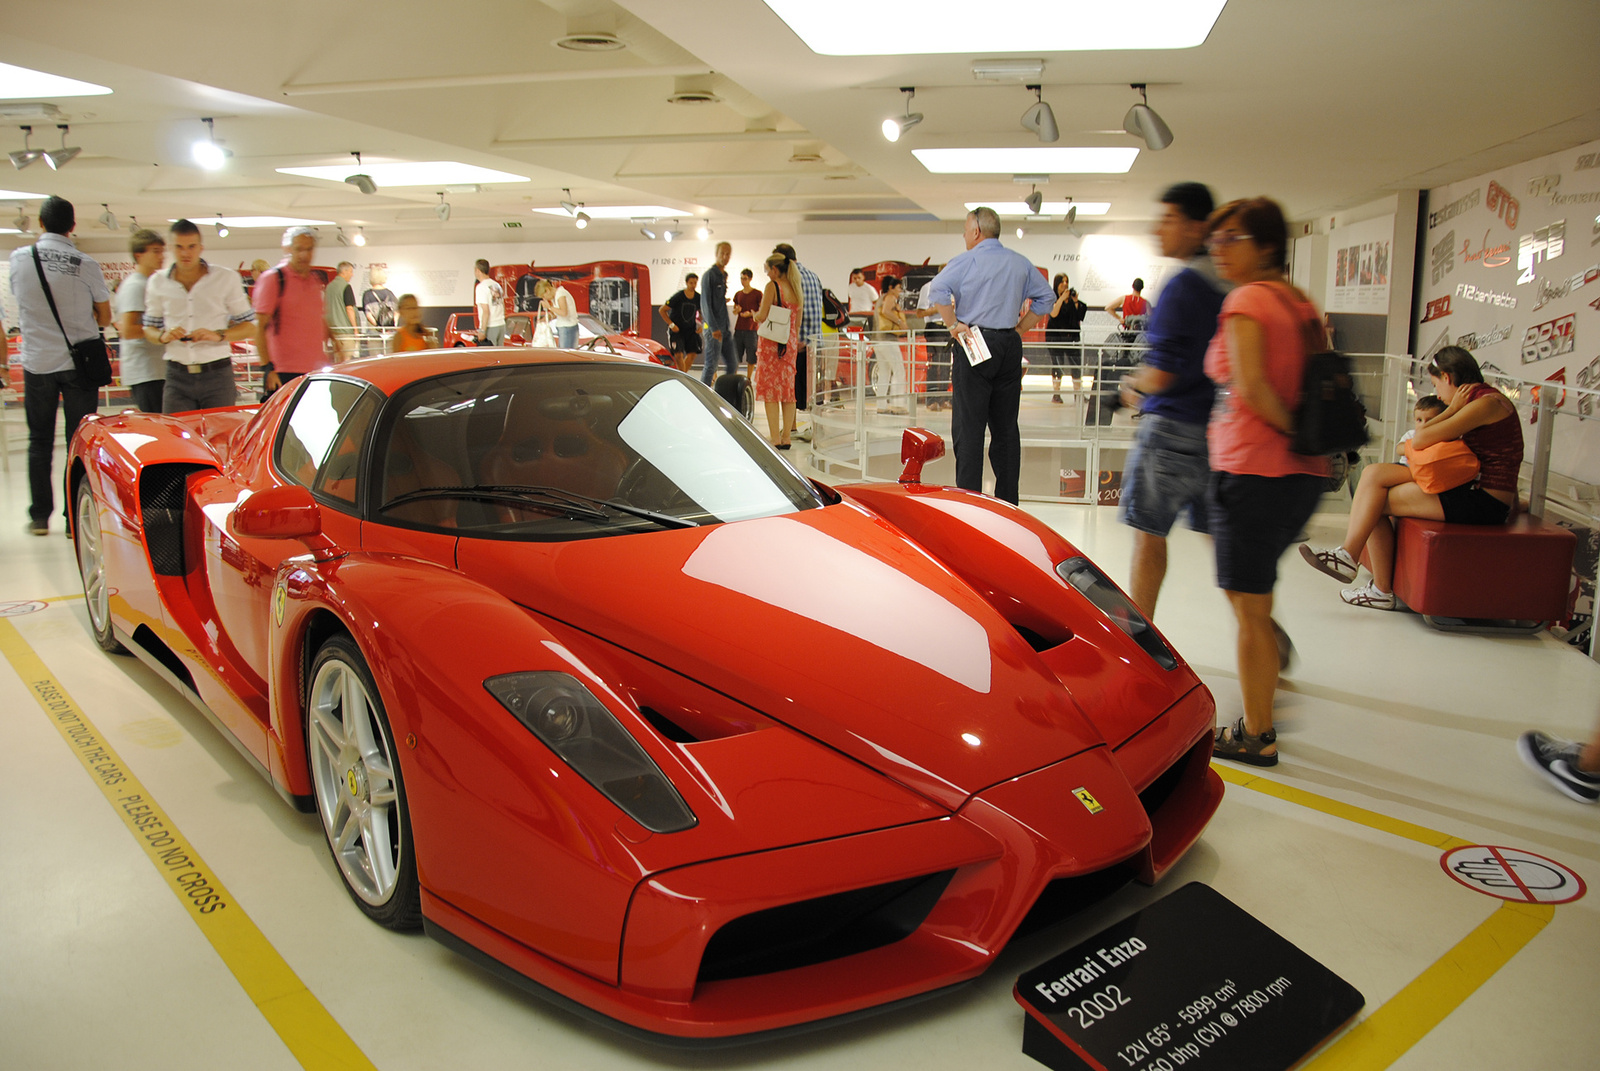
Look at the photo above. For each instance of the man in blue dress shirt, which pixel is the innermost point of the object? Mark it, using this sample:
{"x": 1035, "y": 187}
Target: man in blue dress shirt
{"x": 981, "y": 290}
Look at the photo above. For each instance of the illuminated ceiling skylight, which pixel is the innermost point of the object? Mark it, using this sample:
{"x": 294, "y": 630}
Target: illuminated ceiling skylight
{"x": 407, "y": 173}
{"x": 620, "y": 212}
{"x": 851, "y": 28}
{"x": 20, "y": 83}
{"x": 1036, "y": 161}
{"x": 263, "y": 221}
{"x": 1049, "y": 208}
{"x": 18, "y": 195}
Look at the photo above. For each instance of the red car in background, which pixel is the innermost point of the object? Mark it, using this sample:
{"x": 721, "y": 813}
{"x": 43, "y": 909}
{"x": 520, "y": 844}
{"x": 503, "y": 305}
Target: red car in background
{"x": 536, "y": 635}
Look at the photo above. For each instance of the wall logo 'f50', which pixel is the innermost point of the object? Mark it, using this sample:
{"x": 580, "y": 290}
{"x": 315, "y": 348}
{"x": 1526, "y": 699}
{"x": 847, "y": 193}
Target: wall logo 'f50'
{"x": 1437, "y": 309}
{"x": 1090, "y": 804}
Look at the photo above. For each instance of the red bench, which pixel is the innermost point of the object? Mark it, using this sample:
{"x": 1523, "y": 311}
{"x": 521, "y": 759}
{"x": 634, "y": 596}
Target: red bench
{"x": 1488, "y": 578}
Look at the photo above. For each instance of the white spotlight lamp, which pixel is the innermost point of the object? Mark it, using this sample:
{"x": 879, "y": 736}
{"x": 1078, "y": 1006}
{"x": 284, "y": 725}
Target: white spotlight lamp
{"x": 704, "y": 231}
{"x": 26, "y": 155}
{"x": 442, "y": 209}
{"x": 1039, "y": 119}
{"x": 897, "y": 125}
{"x": 361, "y": 182}
{"x": 222, "y": 228}
{"x": 361, "y": 236}
{"x": 59, "y": 158}
{"x": 206, "y": 152}
{"x": 582, "y": 220}
{"x": 1143, "y": 122}
{"x": 108, "y": 220}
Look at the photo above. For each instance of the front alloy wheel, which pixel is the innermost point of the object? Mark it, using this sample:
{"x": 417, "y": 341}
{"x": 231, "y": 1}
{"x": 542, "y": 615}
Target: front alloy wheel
{"x": 358, "y": 789}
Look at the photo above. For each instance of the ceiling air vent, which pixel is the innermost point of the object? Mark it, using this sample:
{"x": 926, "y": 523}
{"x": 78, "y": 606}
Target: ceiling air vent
{"x": 694, "y": 96}
{"x": 805, "y": 157}
{"x": 591, "y": 42}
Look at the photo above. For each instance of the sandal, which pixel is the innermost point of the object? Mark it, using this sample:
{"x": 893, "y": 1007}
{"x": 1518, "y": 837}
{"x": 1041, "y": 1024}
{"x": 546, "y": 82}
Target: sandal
{"x": 1232, "y": 742}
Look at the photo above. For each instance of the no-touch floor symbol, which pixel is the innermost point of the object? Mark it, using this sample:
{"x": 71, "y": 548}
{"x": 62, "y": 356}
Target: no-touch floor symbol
{"x": 1512, "y": 874}
{"x": 17, "y": 609}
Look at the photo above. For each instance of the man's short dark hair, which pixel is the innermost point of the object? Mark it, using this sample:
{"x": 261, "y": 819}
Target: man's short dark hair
{"x": 691, "y": 277}
{"x": 743, "y": 272}
{"x": 1193, "y": 199}
{"x": 1138, "y": 285}
{"x": 483, "y": 266}
{"x": 185, "y": 226}
{"x": 56, "y": 215}
{"x": 786, "y": 249}
{"x": 142, "y": 239}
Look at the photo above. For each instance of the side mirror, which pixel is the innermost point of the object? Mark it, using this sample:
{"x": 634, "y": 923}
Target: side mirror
{"x": 287, "y": 512}
{"x": 918, "y": 446}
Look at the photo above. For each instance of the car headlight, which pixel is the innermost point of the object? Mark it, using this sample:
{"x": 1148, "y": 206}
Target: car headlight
{"x": 1087, "y": 578}
{"x": 567, "y": 717}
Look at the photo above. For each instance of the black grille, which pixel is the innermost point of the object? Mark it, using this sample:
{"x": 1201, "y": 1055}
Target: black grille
{"x": 1162, "y": 787}
{"x": 1065, "y": 897}
{"x": 162, "y": 491}
{"x": 826, "y": 928}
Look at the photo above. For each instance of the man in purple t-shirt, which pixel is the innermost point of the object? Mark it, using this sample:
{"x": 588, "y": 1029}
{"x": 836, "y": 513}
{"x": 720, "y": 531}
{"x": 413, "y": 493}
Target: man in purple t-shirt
{"x": 1169, "y": 464}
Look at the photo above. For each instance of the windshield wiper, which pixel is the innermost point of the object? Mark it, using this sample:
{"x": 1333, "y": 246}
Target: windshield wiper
{"x": 554, "y": 499}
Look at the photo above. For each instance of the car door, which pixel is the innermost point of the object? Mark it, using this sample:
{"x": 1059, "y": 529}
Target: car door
{"x": 319, "y": 445}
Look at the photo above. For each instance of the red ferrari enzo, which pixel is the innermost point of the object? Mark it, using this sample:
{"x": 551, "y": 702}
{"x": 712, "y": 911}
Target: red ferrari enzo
{"x": 583, "y": 678}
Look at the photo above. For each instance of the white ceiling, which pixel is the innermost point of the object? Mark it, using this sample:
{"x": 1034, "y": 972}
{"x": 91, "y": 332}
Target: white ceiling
{"x": 1321, "y": 105}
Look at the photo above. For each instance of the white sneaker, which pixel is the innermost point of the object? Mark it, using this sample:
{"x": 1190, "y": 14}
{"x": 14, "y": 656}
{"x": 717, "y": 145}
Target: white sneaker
{"x": 1334, "y": 561}
{"x": 1369, "y": 596}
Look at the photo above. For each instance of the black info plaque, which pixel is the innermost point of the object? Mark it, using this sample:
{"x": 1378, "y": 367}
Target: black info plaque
{"x": 1192, "y": 981}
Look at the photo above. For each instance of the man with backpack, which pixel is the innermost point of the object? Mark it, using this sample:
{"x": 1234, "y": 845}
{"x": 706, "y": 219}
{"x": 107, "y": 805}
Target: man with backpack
{"x": 291, "y": 335}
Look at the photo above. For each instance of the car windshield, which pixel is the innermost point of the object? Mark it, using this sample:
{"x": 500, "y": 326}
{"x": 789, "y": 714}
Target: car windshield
{"x": 574, "y": 451}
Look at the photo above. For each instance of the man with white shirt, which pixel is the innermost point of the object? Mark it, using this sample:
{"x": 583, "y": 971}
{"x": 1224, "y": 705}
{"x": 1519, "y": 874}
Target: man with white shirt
{"x": 862, "y": 296}
{"x": 489, "y": 302}
{"x": 50, "y": 380}
{"x": 143, "y": 366}
{"x": 195, "y": 310}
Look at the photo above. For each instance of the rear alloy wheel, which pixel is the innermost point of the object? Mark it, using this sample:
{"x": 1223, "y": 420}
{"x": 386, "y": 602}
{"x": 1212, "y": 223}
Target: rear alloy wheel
{"x": 92, "y": 566}
{"x": 356, "y": 780}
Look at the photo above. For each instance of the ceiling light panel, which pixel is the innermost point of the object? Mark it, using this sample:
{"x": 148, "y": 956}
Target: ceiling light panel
{"x": 18, "y": 195}
{"x": 1051, "y": 208}
{"x": 265, "y": 221}
{"x": 20, "y": 83}
{"x": 434, "y": 173}
{"x": 1055, "y": 161}
{"x": 850, "y": 28}
{"x": 617, "y": 211}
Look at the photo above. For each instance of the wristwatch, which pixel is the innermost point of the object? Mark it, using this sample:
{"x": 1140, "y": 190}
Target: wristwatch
{"x": 266, "y": 367}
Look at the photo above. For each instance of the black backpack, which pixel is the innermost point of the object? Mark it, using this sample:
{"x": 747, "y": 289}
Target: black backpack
{"x": 1330, "y": 418}
{"x": 835, "y": 313}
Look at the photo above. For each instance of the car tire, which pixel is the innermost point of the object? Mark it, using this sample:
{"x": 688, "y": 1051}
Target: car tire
{"x": 90, "y": 549}
{"x": 734, "y": 389}
{"x": 358, "y": 788}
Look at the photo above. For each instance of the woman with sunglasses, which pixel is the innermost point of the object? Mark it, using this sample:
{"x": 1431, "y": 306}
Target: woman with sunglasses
{"x": 1261, "y": 493}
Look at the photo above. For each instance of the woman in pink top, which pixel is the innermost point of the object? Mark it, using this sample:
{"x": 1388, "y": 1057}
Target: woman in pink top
{"x": 1261, "y": 492}
{"x": 1479, "y": 416}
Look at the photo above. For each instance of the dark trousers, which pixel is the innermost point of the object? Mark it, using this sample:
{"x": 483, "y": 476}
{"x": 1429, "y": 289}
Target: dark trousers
{"x": 988, "y": 396}
{"x": 210, "y": 388}
{"x": 744, "y": 346}
{"x": 147, "y": 395}
{"x": 802, "y": 380}
{"x": 41, "y": 393}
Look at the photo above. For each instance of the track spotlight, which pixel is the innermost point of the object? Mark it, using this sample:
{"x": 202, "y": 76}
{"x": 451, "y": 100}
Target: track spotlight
{"x": 1034, "y": 201}
{"x": 442, "y": 209}
{"x": 896, "y": 125}
{"x": 704, "y": 231}
{"x": 361, "y": 182}
{"x": 59, "y": 158}
{"x": 582, "y": 220}
{"x": 1072, "y": 220}
{"x": 647, "y": 232}
{"x": 27, "y": 154}
{"x": 21, "y": 222}
{"x": 339, "y": 234}
{"x": 1142, "y": 122}
{"x": 1039, "y": 119}
{"x": 572, "y": 209}
{"x": 671, "y": 232}
{"x": 361, "y": 236}
{"x": 207, "y": 152}
{"x": 222, "y": 228}
{"x": 107, "y": 219}
{"x": 1021, "y": 232}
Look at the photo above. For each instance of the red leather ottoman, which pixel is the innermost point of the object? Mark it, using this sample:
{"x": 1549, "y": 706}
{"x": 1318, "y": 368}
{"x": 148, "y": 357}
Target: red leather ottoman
{"x": 1519, "y": 572}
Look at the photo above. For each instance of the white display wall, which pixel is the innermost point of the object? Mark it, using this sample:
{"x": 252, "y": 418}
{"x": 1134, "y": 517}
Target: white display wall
{"x": 1510, "y": 270}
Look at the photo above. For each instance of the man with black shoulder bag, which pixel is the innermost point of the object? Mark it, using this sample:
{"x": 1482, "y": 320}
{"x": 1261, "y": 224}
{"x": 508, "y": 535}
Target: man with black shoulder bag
{"x": 62, "y": 303}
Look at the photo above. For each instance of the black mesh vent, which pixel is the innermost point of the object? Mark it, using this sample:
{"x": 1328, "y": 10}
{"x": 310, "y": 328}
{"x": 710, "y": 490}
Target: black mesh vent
{"x": 1162, "y": 787}
{"x": 162, "y": 491}
{"x": 826, "y": 928}
{"x": 1065, "y": 897}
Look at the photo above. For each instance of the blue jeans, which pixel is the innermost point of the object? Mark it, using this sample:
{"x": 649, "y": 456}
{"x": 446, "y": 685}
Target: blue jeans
{"x": 566, "y": 337}
{"x": 718, "y": 352}
{"x": 1166, "y": 475}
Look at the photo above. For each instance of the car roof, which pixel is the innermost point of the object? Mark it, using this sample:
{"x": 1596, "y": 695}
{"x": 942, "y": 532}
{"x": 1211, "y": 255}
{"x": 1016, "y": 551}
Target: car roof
{"x": 395, "y": 371}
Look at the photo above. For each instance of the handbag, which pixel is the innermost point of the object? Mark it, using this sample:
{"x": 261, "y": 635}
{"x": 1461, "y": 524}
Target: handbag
{"x": 1330, "y": 418}
{"x": 1442, "y": 466}
{"x": 90, "y": 358}
{"x": 776, "y": 326}
{"x": 543, "y": 337}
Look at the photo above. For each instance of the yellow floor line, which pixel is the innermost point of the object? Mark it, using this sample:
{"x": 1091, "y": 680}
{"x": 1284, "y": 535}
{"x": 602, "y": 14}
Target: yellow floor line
{"x": 1406, "y": 1018}
{"x": 310, "y": 1033}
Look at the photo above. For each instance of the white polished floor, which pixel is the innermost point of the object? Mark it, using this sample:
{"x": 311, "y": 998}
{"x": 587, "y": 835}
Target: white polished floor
{"x": 102, "y": 967}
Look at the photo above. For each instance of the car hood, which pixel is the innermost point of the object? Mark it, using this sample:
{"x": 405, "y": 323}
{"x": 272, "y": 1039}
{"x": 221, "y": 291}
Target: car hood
{"x": 828, "y": 620}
